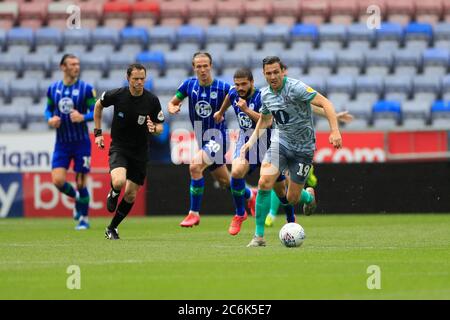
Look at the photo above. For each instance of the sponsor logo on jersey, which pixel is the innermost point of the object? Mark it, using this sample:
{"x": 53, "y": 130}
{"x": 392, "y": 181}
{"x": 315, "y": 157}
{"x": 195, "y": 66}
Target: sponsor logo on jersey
{"x": 66, "y": 105}
{"x": 244, "y": 121}
{"x": 203, "y": 109}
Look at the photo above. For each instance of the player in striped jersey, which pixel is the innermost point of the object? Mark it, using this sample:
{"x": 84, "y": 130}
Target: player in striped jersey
{"x": 70, "y": 104}
{"x": 205, "y": 98}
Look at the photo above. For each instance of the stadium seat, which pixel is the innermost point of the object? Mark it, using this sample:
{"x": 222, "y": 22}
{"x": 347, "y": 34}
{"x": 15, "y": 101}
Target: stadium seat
{"x": 429, "y": 11}
{"x": 360, "y": 37}
{"x": 92, "y": 13}
{"x": 24, "y": 88}
{"x": 108, "y": 84}
{"x": 304, "y": 36}
{"x": 4, "y": 91}
{"x": 2, "y": 39}
{"x": 275, "y": 37}
{"x": 33, "y": 14}
{"x": 350, "y": 62}
{"x": 400, "y": 11}
{"x": 48, "y": 40}
{"x": 10, "y": 65}
{"x": 36, "y": 66}
{"x": 76, "y": 40}
{"x": 285, "y": 12}
{"x": 358, "y": 124}
{"x": 257, "y": 57}
{"x": 232, "y": 59}
{"x": 190, "y": 34}
{"x": 332, "y": 36}
{"x": 426, "y": 88}
{"x": 418, "y": 36}
{"x": 389, "y": 36}
{"x": 105, "y": 35}
{"x": 367, "y": 9}
{"x": 321, "y": 62}
{"x": 292, "y": 59}
{"x": 246, "y": 37}
{"x": 145, "y": 14}
{"x": 415, "y": 109}
{"x": 173, "y": 13}
{"x": 440, "y": 108}
{"x": 20, "y": 40}
{"x": 386, "y": 109}
{"x": 414, "y": 124}
{"x": 166, "y": 86}
{"x": 441, "y": 35}
{"x": 317, "y": 82}
{"x": 201, "y": 12}
{"x": 57, "y": 15}
{"x": 162, "y": 38}
{"x": 359, "y": 110}
{"x": 314, "y": 11}
{"x": 9, "y": 11}
{"x": 343, "y": 12}
{"x": 341, "y": 84}
{"x": 116, "y": 14}
{"x": 378, "y": 62}
{"x": 445, "y": 85}
{"x": 230, "y": 13}
{"x": 407, "y": 62}
{"x": 219, "y": 37}
{"x": 134, "y": 35}
{"x": 368, "y": 89}
{"x": 12, "y": 114}
{"x": 397, "y": 87}
{"x": 435, "y": 61}
{"x": 153, "y": 60}
{"x": 257, "y": 12}
{"x": 177, "y": 60}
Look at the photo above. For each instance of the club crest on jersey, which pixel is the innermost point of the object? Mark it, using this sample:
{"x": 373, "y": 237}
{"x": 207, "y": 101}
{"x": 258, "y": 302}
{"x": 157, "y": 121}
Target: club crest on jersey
{"x": 66, "y": 105}
{"x": 161, "y": 116}
{"x": 203, "y": 109}
{"x": 213, "y": 95}
{"x": 141, "y": 120}
{"x": 75, "y": 92}
{"x": 244, "y": 121}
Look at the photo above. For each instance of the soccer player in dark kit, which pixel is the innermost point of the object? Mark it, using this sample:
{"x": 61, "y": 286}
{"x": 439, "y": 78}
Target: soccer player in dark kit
{"x": 137, "y": 112}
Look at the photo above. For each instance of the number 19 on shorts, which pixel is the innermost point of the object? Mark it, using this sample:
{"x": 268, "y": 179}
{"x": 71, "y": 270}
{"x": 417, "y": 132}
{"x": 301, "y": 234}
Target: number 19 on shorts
{"x": 303, "y": 170}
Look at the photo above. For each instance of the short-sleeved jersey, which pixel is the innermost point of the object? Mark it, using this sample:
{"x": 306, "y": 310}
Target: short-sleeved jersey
{"x": 62, "y": 100}
{"x": 203, "y": 103}
{"x": 129, "y": 130}
{"x": 253, "y": 102}
{"x": 292, "y": 113}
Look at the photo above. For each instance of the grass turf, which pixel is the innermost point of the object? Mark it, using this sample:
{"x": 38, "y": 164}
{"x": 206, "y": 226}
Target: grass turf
{"x": 156, "y": 259}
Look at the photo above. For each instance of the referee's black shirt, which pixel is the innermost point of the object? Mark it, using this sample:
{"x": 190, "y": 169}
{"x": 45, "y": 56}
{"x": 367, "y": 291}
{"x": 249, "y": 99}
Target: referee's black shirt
{"x": 129, "y": 130}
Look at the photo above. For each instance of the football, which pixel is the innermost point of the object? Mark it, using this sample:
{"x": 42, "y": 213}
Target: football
{"x": 292, "y": 235}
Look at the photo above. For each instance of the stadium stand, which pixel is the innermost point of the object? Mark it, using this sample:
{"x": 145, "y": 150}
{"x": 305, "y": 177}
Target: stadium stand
{"x": 325, "y": 43}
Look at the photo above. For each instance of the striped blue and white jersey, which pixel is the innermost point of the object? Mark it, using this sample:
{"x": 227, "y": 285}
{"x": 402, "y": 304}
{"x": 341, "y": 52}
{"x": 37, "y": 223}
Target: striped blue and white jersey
{"x": 62, "y": 100}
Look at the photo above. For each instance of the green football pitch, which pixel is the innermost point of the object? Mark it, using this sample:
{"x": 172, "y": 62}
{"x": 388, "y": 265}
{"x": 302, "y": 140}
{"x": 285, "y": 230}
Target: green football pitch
{"x": 396, "y": 256}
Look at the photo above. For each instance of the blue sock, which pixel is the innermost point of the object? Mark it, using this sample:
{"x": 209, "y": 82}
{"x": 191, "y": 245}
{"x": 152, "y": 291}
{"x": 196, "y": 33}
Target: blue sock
{"x": 196, "y": 190}
{"x": 68, "y": 190}
{"x": 288, "y": 209}
{"x": 82, "y": 203}
{"x": 248, "y": 193}
{"x": 238, "y": 191}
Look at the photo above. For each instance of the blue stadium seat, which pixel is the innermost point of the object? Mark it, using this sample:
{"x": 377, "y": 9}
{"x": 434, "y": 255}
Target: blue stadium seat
{"x": 45, "y": 36}
{"x": 341, "y": 83}
{"x": 21, "y": 36}
{"x": 350, "y": 62}
{"x": 134, "y": 35}
{"x": 247, "y": 34}
{"x": 440, "y": 108}
{"x": 275, "y": 32}
{"x": 332, "y": 36}
{"x": 77, "y": 36}
{"x": 162, "y": 35}
{"x": 358, "y": 32}
{"x": 24, "y": 88}
{"x": 407, "y": 61}
{"x": 387, "y": 109}
{"x": 378, "y": 62}
{"x": 190, "y": 34}
{"x": 305, "y": 32}
{"x": 152, "y": 59}
{"x": 415, "y": 30}
{"x": 397, "y": 87}
{"x": 217, "y": 33}
{"x": 389, "y": 36}
{"x": 105, "y": 35}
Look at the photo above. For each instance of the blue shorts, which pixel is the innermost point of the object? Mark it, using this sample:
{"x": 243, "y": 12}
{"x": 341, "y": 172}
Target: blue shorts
{"x": 216, "y": 153}
{"x": 79, "y": 151}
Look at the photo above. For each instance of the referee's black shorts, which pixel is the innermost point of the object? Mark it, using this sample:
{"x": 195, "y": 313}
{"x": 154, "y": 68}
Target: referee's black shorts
{"x": 136, "y": 169}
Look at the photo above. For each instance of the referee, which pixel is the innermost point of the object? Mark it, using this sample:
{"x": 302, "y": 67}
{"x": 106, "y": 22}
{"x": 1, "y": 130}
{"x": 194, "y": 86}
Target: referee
{"x": 137, "y": 112}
